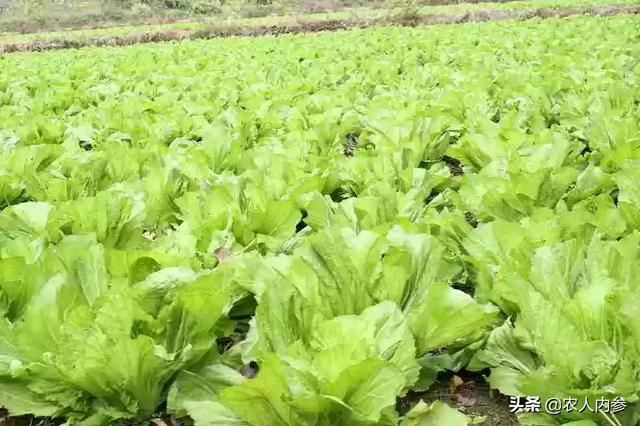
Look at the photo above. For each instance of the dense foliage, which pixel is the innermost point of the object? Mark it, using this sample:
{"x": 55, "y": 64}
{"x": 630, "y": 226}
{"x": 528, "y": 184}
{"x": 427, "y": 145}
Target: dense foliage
{"x": 298, "y": 230}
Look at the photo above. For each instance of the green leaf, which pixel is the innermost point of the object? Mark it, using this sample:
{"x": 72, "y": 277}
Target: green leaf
{"x": 19, "y": 400}
{"x": 449, "y": 317}
{"x": 436, "y": 413}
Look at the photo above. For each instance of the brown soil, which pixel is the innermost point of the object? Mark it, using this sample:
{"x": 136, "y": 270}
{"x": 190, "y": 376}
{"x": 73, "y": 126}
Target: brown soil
{"x": 470, "y": 394}
{"x": 303, "y": 26}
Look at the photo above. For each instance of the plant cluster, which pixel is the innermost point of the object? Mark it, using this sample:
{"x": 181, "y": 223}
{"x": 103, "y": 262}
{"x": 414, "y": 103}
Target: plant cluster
{"x": 299, "y": 230}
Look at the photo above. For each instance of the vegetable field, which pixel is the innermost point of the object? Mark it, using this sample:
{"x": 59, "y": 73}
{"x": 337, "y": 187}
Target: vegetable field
{"x": 300, "y": 230}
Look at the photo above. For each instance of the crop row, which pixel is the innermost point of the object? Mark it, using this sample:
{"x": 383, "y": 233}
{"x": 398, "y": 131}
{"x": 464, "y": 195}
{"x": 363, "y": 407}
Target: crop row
{"x": 299, "y": 230}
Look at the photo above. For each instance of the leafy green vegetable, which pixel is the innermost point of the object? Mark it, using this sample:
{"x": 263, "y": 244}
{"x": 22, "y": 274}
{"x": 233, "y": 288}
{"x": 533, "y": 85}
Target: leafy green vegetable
{"x": 283, "y": 231}
{"x": 438, "y": 413}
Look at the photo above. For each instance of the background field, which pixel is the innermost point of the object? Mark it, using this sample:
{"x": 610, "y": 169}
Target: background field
{"x": 221, "y": 24}
{"x": 279, "y": 16}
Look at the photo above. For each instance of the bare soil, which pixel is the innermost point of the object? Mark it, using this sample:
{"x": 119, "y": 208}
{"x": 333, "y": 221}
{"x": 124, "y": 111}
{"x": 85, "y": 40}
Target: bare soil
{"x": 470, "y": 394}
{"x": 306, "y": 26}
